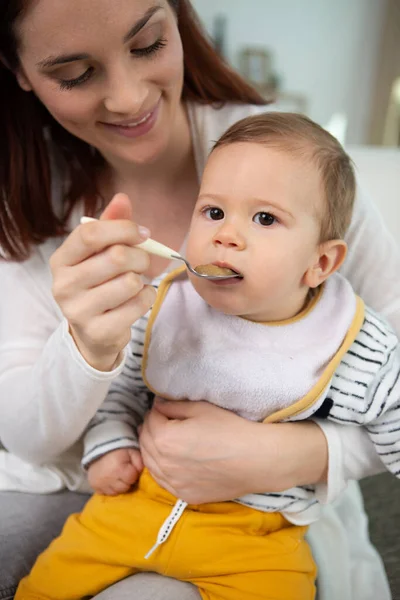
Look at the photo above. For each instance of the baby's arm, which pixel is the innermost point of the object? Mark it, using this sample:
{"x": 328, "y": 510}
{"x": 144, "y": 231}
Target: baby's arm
{"x": 384, "y": 400}
{"x": 366, "y": 389}
{"x": 111, "y": 446}
{"x": 115, "y": 424}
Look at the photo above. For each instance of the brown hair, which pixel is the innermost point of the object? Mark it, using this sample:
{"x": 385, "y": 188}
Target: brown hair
{"x": 305, "y": 139}
{"x": 26, "y": 213}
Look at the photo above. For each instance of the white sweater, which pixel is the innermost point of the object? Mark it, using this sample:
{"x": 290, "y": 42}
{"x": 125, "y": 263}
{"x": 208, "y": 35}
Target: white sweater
{"x": 48, "y": 393}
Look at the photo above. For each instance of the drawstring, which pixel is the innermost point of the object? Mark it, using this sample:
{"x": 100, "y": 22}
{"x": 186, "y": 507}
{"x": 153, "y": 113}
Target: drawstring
{"x": 168, "y": 525}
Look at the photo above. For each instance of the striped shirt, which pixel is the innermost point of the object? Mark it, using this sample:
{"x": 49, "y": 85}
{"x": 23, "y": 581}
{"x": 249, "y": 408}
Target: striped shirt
{"x": 364, "y": 391}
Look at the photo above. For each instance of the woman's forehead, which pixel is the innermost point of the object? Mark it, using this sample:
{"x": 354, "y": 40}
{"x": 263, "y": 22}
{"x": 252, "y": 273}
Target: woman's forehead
{"x": 48, "y": 24}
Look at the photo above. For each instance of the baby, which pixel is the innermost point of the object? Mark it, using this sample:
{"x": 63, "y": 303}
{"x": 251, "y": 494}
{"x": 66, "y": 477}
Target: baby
{"x": 288, "y": 340}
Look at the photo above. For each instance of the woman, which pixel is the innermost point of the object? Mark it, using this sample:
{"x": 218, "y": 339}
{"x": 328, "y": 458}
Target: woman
{"x": 100, "y": 97}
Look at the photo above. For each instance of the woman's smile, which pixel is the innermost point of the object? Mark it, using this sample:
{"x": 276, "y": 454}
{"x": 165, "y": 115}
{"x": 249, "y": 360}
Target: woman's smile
{"x": 132, "y": 128}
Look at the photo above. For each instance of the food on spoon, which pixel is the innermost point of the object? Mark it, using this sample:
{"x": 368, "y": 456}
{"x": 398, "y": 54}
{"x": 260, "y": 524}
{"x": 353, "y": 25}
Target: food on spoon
{"x": 215, "y": 271}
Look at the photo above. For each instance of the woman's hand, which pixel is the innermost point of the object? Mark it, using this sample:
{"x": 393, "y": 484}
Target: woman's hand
{"x": 202, "y": 453}
{"x": 97, "y": 283}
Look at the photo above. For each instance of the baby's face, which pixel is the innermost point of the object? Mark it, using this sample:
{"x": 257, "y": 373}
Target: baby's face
{"x": 257, "y": 213}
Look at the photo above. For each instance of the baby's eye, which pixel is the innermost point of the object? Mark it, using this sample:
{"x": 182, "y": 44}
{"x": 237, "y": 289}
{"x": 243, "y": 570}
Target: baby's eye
{"x": 214, "y": 213}
{"x": 264, "y": 218}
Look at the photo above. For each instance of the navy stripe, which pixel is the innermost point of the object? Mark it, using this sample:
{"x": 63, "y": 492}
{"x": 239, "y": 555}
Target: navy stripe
{"x": 373, "y": 338}
{"x": 132, "y": 369}
{"x": 137, "y": 328}
{"x": 384, "y": 333}
{"x": 137, "y": 342}
{"x": 353, "y": 381}
{"x": 353, "y": 368}
{"x": 389, "y": 453}
{"x": 395, "y": 381}
{"x": 369, "y": 360}
{"x": 113, "y": 412}
{"x": 113, "y": 441}
{"x": 356, "y": 341}
{"x": 347, "y": 393}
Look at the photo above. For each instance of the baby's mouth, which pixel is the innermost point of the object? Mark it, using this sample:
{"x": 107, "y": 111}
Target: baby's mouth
{"x": 225, "y": 265}
{"x": 218, "y": 269}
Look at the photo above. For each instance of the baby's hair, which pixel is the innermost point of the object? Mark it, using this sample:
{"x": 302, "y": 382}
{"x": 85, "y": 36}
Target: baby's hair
{"x": 305, "y": 139}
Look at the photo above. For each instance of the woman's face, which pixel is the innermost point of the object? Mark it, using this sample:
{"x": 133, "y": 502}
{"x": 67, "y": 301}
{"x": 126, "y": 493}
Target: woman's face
{"x": 109, "y": 71}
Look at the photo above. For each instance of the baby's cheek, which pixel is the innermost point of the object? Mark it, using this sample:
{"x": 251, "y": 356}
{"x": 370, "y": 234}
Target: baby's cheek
{"x": 194, "y": 252}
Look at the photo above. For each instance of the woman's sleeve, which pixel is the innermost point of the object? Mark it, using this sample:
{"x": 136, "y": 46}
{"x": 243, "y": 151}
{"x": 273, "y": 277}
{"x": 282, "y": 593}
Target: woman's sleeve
{"x": 48, "y": 393}
{"x": 373, "y": 262}
{"x": 352, "y": 455}
{"x": 373, "y": 268}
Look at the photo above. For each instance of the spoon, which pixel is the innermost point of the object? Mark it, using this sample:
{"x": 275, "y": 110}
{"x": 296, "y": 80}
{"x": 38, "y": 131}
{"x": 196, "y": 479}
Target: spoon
{"x": 159, "y": 249}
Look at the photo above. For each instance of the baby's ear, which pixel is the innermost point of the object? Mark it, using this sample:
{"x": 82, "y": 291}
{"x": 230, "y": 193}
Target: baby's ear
{"x": 330, "y": 257}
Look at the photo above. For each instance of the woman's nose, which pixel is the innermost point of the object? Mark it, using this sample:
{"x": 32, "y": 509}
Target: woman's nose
{"x": 230, "y": 236}
{"x": 126, "y": 93}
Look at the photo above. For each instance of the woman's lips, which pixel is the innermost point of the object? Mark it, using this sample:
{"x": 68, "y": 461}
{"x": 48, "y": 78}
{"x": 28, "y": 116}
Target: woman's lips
{"x": 132, "y": 128}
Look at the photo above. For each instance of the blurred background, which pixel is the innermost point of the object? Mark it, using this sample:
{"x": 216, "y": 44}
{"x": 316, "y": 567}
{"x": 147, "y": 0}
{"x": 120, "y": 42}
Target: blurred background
{"x": 337, "y": 61}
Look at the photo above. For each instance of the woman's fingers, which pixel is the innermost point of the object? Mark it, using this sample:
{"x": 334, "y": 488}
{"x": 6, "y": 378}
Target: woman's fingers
{"x": 123, "y": 316}
{"x": 102, "y": 267}
{"x": 150, "y": 454}
{"x": 105, "y": 297}
{"x": 156, "y": 471}
{"x": 179, "y": 409}
{"x": 202, "y": 455}
{"x": 154, "y": 421}
{"x": 119, "y": 208}
{"x": 108, "y": 333}
{"x": 97, "y": 283}
{"x": 156, "y": 455}
{"x": 91, "y": 238}
{"x": 136, "y": 459}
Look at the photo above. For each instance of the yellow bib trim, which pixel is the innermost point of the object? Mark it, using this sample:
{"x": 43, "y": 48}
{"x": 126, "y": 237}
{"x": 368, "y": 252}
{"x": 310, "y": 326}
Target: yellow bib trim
{"x": 312, "y": 396}
{"x": 161, "y": 293}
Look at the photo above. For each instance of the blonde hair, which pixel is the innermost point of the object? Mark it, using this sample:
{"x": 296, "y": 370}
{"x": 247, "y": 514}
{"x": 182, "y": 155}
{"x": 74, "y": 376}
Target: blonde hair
{"x": 303, "y": 138}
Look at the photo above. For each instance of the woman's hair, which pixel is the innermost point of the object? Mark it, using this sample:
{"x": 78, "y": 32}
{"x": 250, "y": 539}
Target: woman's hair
{"x": 27, "y": 215}
{"x": 304, "y": 139}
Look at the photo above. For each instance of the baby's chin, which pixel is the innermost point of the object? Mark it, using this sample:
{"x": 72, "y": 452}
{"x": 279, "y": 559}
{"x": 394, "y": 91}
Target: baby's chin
{"x": 224, "y": 305}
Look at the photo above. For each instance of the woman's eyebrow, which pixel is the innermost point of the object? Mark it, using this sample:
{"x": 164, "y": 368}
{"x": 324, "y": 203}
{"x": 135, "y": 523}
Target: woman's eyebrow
{"x": 52, "y": 61}
{"x": 141, "y": 23}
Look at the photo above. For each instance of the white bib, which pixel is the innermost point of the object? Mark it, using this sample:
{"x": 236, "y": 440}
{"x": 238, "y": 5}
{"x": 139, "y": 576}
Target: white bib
{"x": 194, "y": 352}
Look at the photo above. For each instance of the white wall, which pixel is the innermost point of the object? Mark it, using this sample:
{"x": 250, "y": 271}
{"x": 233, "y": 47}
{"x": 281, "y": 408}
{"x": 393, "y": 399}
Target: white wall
{"x": 325, "y": 49}
{"x": 378, "y": 172}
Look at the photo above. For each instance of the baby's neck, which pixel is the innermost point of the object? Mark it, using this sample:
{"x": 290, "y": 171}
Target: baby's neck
{"x": 293, "y": 310}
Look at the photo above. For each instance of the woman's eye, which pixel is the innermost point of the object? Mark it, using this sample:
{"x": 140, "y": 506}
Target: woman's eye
{"x": 68, "y": 84}
{"x": 148, "y": 50}
{"x": 264, "y": 218}
{"x": 214, "y": 213}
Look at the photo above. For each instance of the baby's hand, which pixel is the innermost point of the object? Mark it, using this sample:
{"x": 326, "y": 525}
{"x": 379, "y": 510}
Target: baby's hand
{"x": 115, "y": 473}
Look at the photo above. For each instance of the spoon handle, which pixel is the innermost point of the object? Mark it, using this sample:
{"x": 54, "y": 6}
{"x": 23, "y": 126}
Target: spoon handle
{"x": 158, "y": 249}
{"x": 149, "y": 245}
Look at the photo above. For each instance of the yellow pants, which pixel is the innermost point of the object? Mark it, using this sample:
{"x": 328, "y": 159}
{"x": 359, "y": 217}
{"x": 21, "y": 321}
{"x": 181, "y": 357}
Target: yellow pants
{"x": 229, "y": 551}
